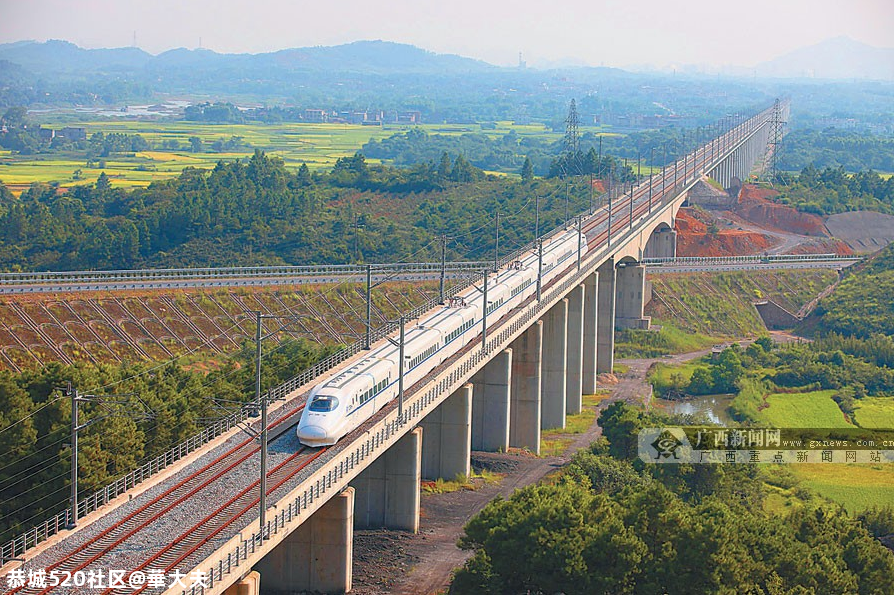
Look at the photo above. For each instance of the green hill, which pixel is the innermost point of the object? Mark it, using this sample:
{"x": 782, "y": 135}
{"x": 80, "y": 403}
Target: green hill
{"x": 863, "y": 303}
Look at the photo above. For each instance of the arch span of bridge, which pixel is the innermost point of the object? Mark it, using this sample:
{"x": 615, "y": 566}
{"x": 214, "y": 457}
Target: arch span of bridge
{"x": 528, "y": 375}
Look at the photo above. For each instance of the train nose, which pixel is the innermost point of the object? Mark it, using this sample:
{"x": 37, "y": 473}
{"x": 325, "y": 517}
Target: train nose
{"x": 312, "y": 435}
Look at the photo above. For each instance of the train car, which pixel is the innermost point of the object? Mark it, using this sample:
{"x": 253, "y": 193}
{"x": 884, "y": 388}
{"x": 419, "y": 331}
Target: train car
{"x": 342, "y": 403}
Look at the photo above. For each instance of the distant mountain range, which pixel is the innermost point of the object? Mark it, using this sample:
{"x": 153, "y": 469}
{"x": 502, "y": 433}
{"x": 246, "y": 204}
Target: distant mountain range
{"x": 838, "y": 58}
{"x": 368, "y": 57}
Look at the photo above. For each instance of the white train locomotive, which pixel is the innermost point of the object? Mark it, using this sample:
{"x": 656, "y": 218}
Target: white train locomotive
{"x": 343, "y": 402}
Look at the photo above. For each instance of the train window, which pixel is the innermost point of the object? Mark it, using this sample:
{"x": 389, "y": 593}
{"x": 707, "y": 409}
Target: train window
{"x": 324, "y": 404}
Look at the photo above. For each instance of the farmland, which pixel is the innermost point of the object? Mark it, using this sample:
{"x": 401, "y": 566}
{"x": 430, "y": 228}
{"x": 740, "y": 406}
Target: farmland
{"x": 317, "y": 145}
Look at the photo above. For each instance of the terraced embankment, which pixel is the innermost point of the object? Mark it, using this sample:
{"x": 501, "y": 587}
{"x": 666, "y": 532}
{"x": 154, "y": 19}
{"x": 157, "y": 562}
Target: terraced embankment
{"x": 720, "y": 304}
{"x": 111, "y": 327}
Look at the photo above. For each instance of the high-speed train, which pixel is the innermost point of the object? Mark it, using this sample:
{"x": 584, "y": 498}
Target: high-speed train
{"x": 340, "y": 404}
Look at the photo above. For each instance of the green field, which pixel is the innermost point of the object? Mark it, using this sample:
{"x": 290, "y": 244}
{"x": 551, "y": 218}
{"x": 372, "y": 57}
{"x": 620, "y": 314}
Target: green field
{"x": 317, "y": 145}
{"x": 856, "y": 487}
{"x": 875, "y": 412}
{"x": 803, "y": 410}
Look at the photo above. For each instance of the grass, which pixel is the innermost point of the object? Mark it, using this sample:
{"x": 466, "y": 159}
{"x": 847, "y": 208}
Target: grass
{"x": 555, "y": 441}
{"x": 461, "y": 482}
{"x": 803, "y": 410}
{"x": 875, "y": 412}
{"x": 595, "y": 399}
{"x": 667, "y": 340}
{"x": 620, "y": 368}
{"x": 663, "y": 377}
{"x": 856, "y": 487}
{"x": 720, "y": 304}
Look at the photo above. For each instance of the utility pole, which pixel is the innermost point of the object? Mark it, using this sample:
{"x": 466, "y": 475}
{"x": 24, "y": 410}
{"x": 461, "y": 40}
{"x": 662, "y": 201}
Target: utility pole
{"x": 580, "y": 238}
{"x": 676, "y": 163}
{"x": 401, "y": 367}
{"x": 357, "y": 225}
{"x": 591, "y": 193}
{"x": 651, "y": 175}
{"x": 497, "y": 245}
{"x": 76, "y": 428}
{"x": 631, "y": 205}
{"x": 263, "y": 404}
{"x": 73, "y": 515}
{"x": 443, "y": 269}
{"x": 566, "y": 204}
{"x": 536, "y": 216}
{"x": 484, "y": 317}
{"x": 664, "y": 171}
{"x": 698, "y": 134}
{"x": 400, "y": 375}
{"x": 539, "y": 266}
{"x": 369, "y": 303}
{"x": 609, "y": 237}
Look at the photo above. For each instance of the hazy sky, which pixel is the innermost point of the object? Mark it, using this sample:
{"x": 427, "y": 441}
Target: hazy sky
{"x": 609, "y": 32}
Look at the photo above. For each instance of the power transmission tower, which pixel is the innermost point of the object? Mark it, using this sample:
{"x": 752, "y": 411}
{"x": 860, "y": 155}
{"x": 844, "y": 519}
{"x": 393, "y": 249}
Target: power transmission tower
{"x": 774, "y": 144}
{"x": 571, "y": 144}
{"x": 572, "y": 132}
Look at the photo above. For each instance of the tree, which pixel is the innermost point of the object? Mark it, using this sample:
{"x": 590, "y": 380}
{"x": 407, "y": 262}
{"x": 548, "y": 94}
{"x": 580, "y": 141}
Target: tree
{"x": 701, "y": 382}
{"x": 444, "y": 166}
{"x": 527, "y": 171}
{"x": 14, "y": 117}
{"x": 727, "y": 371}
{"x": 195, "y": 144}
{"x": 103, "y": 185}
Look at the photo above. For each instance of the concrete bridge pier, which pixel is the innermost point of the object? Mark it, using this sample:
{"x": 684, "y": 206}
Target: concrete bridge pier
{"x": 387, "y": 492}
{"x": 250, "y": 584}
{"x": 555, "y": 366}
{"x": 605, "y": 322}
{"x": 525, "y": 395}
{"x": 591, "y": 299}
{"x": 447, "y": 437}
{"x": 631, "y": 292}
{"x": 491, "y": 404}
{"x": 662, "y": 244}
{"x": 317, "y": 556}
{"x": 574, "y": 386}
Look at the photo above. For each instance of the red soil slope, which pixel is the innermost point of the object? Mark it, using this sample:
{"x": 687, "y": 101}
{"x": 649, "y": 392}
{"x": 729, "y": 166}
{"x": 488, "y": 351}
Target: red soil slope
{"x": 693, "y": 239}
{"x": 755, "y": 205}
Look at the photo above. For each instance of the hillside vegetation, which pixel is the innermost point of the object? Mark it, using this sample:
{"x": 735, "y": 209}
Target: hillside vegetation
{"x": 258, "y": 212}
{"x": 720, "y": 304}
{"x": 863, "y": 304}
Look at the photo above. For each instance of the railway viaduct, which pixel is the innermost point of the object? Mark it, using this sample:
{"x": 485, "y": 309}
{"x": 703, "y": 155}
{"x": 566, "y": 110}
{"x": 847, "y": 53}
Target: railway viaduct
{"x": 527, "y": 375}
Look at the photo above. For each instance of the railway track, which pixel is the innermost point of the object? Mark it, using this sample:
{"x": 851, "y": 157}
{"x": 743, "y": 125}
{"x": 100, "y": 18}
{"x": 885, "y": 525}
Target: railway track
{"x": 119, "y": 533}
{"x": 189, "y": 541}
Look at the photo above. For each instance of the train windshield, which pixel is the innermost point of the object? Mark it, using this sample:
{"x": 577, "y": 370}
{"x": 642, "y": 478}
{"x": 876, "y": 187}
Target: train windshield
{"x": 324, "y": 403}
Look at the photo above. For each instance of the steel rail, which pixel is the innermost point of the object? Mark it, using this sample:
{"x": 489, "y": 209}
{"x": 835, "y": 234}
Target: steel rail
{"x": 135, "y": 521}
{"x": 208, "y": 528}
